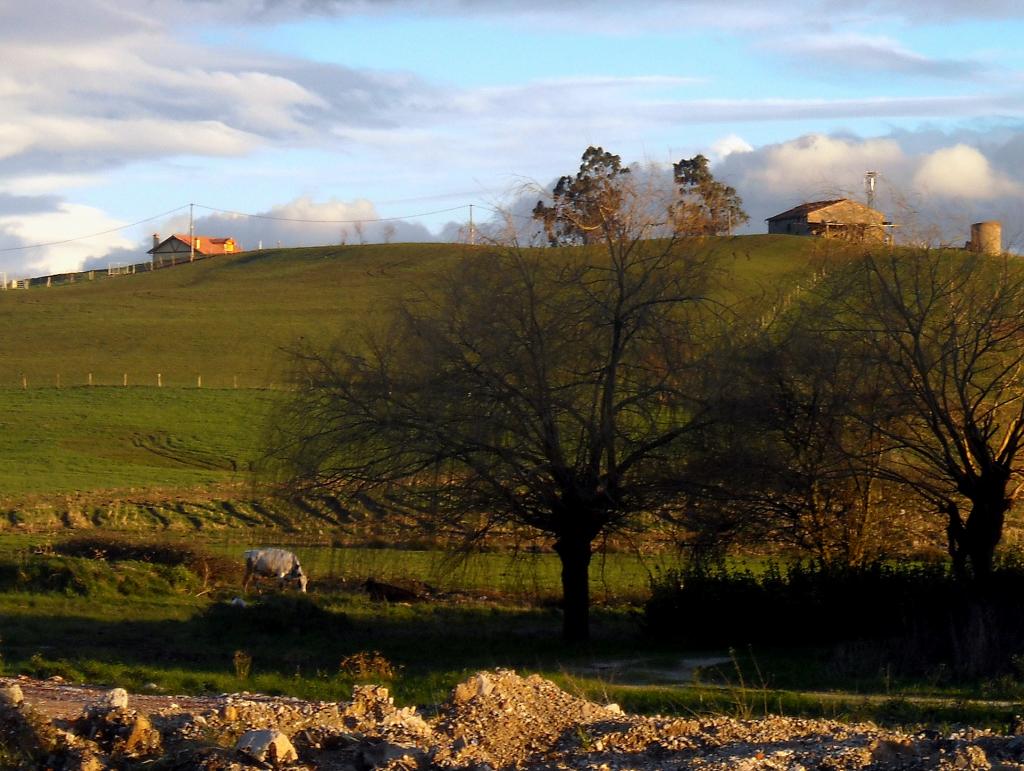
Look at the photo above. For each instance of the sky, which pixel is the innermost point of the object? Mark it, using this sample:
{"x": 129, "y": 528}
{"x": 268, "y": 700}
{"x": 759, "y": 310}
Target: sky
{"x": 313, "y": 115}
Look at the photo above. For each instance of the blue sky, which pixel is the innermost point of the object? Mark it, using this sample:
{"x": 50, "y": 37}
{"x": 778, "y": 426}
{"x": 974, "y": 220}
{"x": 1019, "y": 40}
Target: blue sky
{"x": 338, "y": 110}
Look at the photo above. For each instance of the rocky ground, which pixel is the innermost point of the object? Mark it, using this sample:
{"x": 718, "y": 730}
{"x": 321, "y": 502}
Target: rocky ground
{"x": 494, "y": 720}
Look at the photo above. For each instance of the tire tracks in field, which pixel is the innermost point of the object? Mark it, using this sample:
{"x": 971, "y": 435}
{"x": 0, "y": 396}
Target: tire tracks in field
{"x": 171, "y": 448}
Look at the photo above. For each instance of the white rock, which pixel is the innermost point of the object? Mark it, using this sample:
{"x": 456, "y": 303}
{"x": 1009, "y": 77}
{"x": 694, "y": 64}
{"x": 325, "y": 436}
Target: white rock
{"x": 12, "y": 694}
{"x": 267, "y": 745}
{"x": 115, "y": 698}
{"x": 480, "y": 685}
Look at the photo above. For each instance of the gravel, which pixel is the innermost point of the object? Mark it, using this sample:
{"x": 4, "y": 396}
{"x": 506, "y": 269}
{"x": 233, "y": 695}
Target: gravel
{"x": 494, "y": 720}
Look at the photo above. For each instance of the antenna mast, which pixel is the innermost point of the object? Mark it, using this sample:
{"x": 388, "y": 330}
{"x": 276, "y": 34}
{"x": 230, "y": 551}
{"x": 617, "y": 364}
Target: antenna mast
{"x": 191, "y": 235}
{"x": 869, "y": 187}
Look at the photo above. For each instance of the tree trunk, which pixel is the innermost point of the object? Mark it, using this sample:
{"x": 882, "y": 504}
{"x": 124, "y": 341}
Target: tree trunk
{"x": 983, "y": 531}
{"x": 973, "y": 543}
{"x": 574, "y": 551}
{"x": 955, "y": 540}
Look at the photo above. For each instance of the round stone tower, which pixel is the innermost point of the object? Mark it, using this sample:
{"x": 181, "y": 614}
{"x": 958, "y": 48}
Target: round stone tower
{"x": 986, "y": 237}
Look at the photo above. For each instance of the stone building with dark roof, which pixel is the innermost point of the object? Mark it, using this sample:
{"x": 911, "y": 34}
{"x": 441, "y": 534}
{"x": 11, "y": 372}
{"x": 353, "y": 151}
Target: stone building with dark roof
{"x": 837, "y": 218}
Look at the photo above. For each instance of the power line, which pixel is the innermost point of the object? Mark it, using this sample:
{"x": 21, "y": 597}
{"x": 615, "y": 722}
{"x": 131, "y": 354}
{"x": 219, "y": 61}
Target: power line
{"x": 92, "y": 235}
{"x": 332, "y": 222}
{"x": 504, "y": 213}
{"x": 253, "y": 216}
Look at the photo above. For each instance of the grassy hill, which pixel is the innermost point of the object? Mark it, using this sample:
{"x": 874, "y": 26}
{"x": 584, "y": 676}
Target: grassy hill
{"x": 222, "y": 319}
{"x": 225, "y": 320}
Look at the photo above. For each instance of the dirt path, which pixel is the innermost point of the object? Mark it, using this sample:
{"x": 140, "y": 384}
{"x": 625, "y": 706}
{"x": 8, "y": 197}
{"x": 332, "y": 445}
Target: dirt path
{"x": 58, "y": 700}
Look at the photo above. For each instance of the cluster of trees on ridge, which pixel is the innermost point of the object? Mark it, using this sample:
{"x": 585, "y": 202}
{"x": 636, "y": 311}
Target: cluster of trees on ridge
{"x": 587, "y": 391}
{"x": 603, "y": 201}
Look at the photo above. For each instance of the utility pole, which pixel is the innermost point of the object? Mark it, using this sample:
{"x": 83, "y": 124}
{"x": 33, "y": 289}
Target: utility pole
{"x": 191, "y": 235}
{"x": 472, "y": 232}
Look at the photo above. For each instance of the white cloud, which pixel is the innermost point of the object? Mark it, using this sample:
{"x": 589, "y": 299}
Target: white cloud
{"x": 66, "y": 221}
{"x": 134, "y": 138}
{"x": 306, "y": 208}
{"x": 135, "y": 89}
{"x": 305, "y": 221}
{"x": 40, "y": 184}
{"x": 933, "y": 193}
{"x": 962, "y": 172}
{"x": 857, "y": 55}
{"x": 727, "y": 145}
{"x": 616, "y": 18}
{"x": 14, "y": 139}
{"x": 856, "y": 108}
{"x": 816, "y": 166}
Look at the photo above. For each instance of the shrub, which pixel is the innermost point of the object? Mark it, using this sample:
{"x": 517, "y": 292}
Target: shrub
{"x": 242, "y": 662}
{"x": 90, "y": 578}
{"x": 367, "y": 665}
{"x": 207, "y": 567}
{"x": 914, "y": 617}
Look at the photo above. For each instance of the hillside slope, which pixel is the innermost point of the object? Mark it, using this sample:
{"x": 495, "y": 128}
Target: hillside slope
{"x": 223, "y": 318}
{"x": 226, "y": 320}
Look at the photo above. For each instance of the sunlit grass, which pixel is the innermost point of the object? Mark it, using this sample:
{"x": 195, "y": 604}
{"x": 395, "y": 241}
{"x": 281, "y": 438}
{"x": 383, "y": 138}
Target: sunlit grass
{"x": 70, "y": 440}
{"x": 224, "y": 323}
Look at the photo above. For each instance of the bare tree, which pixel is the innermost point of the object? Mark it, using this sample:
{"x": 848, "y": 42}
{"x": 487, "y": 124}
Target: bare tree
{"x": 388, "y": 232}
{"x": 796, "y": 464}
{"x": 550, "y": 392}
{"x": 945, "y": 330}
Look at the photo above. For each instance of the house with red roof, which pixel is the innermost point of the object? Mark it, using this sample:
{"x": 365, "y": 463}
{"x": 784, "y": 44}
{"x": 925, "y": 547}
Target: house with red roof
{"x": 177, "y": 248}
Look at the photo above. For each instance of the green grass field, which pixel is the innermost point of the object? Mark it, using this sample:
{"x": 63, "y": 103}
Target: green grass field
{"x": 67, "y": 440}
{"x": 226, "y": 320}
{"x": 531, "y": 578}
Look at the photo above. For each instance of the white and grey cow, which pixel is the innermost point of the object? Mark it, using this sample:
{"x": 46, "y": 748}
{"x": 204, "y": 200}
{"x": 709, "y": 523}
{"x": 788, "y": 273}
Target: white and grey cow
{"x": 273, "y": 563}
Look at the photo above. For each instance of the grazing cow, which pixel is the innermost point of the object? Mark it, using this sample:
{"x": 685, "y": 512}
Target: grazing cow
{"x": 273, "y": 563}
